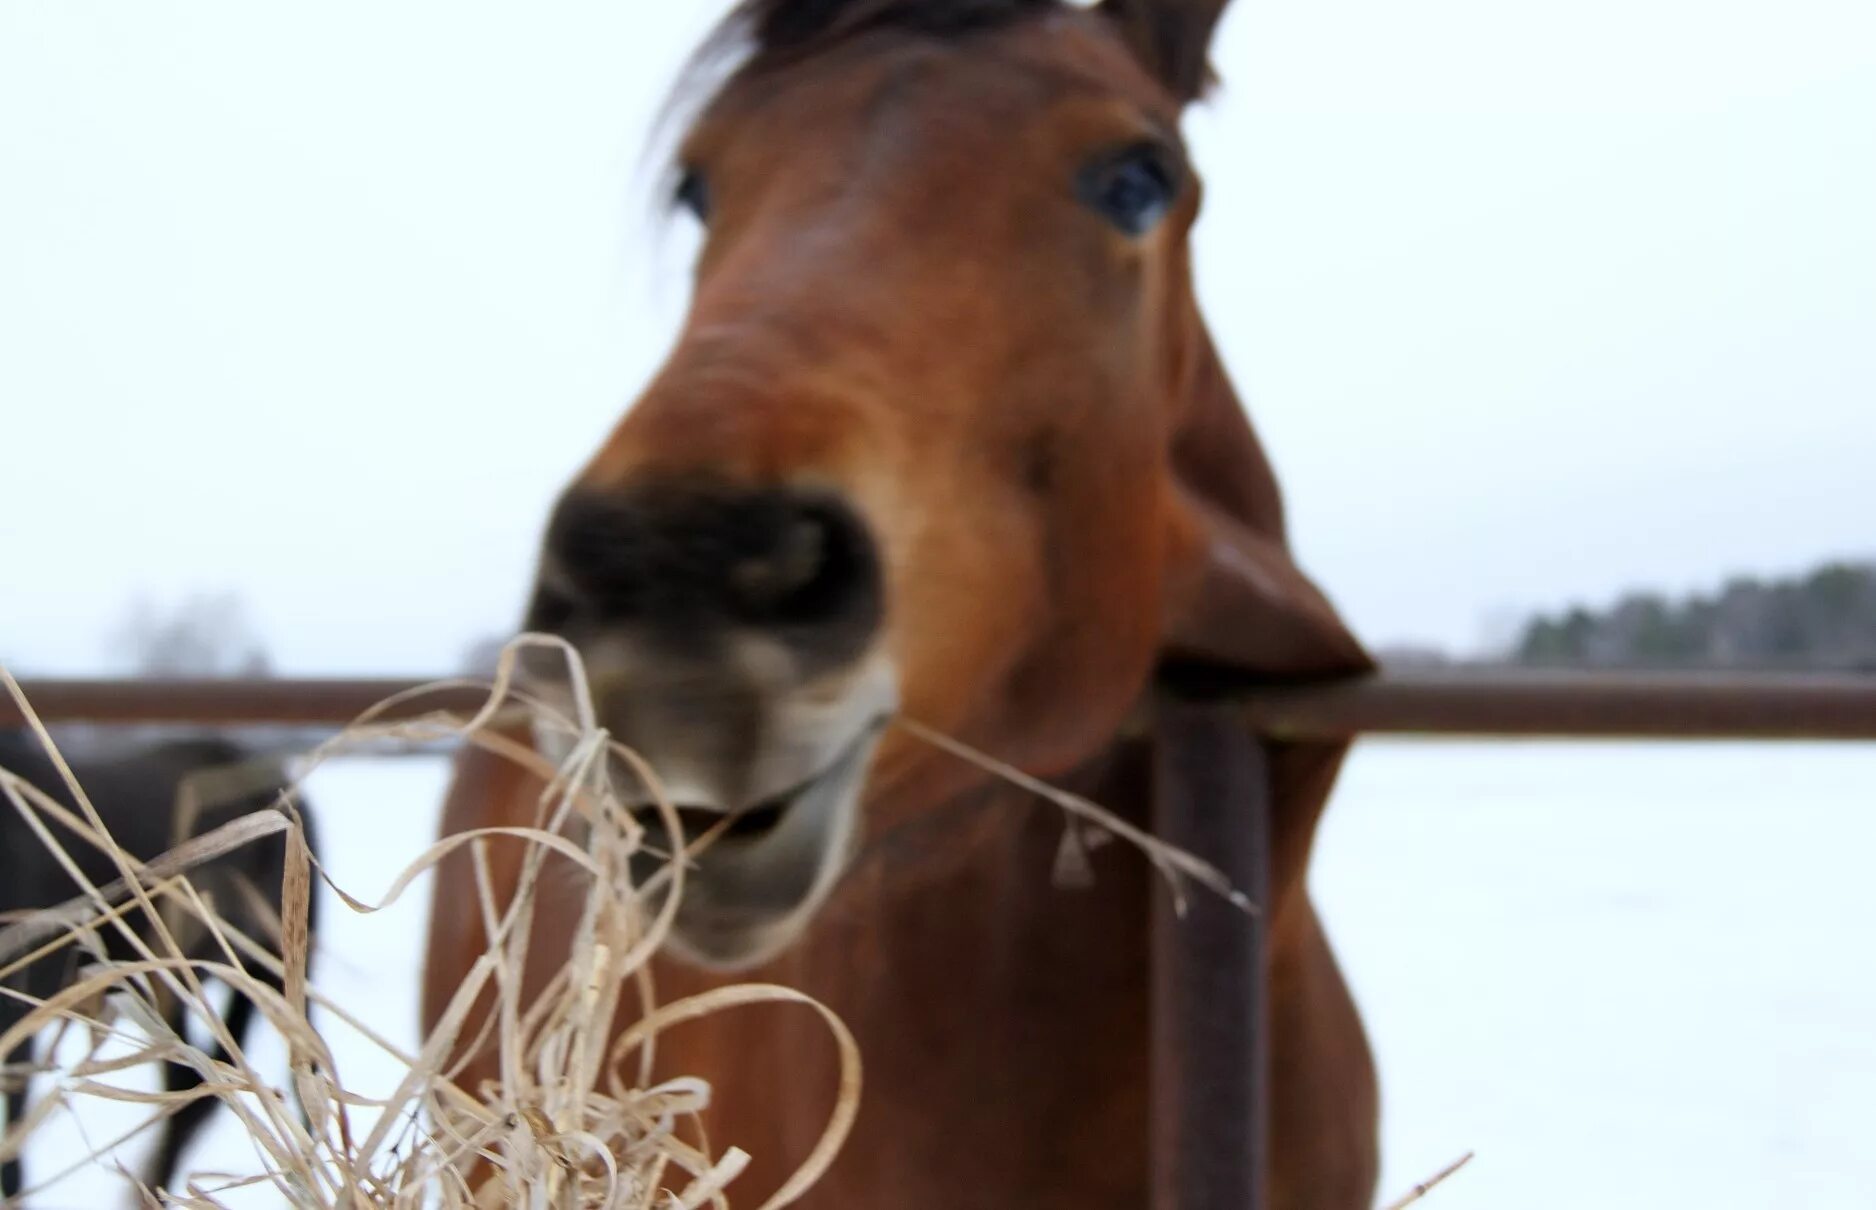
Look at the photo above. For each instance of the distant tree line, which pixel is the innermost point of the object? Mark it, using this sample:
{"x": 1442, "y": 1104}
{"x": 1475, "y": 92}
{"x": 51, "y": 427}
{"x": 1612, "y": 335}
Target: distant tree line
{"x": 203, "y": 635}
{"x": 1823, "y": 620}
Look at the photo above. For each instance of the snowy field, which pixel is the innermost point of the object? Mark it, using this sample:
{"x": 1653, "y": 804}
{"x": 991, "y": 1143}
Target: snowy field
{"x": 1625, "y": 975}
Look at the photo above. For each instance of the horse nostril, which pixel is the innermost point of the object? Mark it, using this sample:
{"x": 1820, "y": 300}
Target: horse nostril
{"x": 550, "y": 610}
{"x": 817, "y": 566}
{"x": 687, "y": 560}
{"x": 597, "y": 545}
{"x": 764, "y": 581}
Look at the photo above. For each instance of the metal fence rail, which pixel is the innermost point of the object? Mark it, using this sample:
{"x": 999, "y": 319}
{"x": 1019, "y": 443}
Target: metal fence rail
{"x": 328, "y": 702}
{"x": 1481, "y": 702}
{"x": 1608, "y": 705}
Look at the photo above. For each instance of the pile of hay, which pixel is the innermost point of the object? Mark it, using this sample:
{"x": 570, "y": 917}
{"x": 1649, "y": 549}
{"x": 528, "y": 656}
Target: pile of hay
{"x": 561, "y": 1127}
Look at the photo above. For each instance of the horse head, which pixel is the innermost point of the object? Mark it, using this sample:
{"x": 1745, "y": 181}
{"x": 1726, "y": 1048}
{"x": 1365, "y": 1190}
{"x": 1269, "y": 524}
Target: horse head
{"x": 943, "y": 434}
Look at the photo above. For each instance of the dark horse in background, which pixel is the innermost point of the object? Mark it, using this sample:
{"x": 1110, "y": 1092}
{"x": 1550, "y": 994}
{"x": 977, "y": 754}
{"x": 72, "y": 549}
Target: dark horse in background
{"x": 944, "y": 436}
{"x": 136, "y": 794}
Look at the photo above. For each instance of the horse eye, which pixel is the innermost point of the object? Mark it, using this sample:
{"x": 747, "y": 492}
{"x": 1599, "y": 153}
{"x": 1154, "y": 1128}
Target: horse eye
{"x": 1133, "y": 189}
{"x": 693, "y": 193}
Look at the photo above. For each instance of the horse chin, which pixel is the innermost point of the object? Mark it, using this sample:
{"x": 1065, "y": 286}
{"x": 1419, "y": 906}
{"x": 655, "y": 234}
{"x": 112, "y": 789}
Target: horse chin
{"x": 791, "y": 798}
{"x": 750, "y": 893}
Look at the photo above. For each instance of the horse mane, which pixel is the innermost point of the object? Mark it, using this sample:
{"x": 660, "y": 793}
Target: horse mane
{"x": 1171, "y": 37}
{"x": 757, "y": 35}
{"x": 779, "y": 26}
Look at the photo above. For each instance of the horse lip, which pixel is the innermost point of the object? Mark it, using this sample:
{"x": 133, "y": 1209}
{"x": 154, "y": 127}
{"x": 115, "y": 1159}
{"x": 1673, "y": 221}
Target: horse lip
{"x": 743, "y": 824}
{"x": 746, "y": 898}
{"x": 756, "y": 821}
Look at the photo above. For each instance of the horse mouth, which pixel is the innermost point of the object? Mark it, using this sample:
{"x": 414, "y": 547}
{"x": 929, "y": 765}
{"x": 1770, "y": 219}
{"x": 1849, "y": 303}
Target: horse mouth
{"x": 754, "y": 877}
{"x": 711, "y": 826}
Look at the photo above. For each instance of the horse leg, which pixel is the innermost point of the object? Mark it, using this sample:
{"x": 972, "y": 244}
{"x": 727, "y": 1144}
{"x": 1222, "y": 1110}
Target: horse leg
{"x": 1324, "y": 1105}
{"x": 183, "y": 1125}
{"x": 12, "y": 1172}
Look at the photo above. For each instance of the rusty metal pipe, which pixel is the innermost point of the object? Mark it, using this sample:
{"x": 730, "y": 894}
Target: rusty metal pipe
{"x": 1475, "y": 702}
{"x": 1524, "y": 703}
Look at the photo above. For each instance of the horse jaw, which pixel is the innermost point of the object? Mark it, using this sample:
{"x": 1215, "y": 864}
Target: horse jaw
{"x": 751, "y": 891}
{"x": 744, "y": 901}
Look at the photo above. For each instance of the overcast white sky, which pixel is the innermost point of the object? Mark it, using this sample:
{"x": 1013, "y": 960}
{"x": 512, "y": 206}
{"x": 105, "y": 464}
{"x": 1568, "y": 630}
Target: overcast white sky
{"x": 1533, "y": 302}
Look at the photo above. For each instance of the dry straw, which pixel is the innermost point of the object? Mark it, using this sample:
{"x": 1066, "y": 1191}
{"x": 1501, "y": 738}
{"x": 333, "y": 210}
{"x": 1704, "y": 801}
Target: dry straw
{"x": 560, "y": 1129}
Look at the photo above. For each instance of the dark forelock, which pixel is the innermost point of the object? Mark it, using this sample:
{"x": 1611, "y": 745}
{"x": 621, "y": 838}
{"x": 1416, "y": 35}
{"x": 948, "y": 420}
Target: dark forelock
{"x": 781, "y": 26}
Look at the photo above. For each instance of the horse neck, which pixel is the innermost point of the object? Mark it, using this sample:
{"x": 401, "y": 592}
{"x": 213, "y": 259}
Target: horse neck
{"x": 987, "y": 1001}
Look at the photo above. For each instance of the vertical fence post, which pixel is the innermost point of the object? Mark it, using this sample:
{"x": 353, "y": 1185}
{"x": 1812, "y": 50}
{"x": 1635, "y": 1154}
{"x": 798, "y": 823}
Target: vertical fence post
{"x": 1210, "y": 1040}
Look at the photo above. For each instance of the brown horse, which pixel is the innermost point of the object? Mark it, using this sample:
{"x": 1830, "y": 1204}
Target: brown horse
{"x": 944, "y": 435}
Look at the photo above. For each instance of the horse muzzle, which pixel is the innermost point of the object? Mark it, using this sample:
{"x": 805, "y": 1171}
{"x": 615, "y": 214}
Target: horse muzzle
{"x": 732, "y": 639}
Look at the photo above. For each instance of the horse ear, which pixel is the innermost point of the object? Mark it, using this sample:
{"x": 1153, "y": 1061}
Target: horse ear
{"x": 1236, "y": 600}
{"x": 1172, "y": 37}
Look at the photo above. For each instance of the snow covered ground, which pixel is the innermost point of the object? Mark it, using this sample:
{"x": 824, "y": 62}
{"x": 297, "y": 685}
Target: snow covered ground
{"x": 1625, "y": 975}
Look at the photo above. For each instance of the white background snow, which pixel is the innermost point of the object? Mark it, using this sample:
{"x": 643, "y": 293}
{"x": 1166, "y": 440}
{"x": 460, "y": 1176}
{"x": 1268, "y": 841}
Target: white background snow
{"x": 1625, "y": 975}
